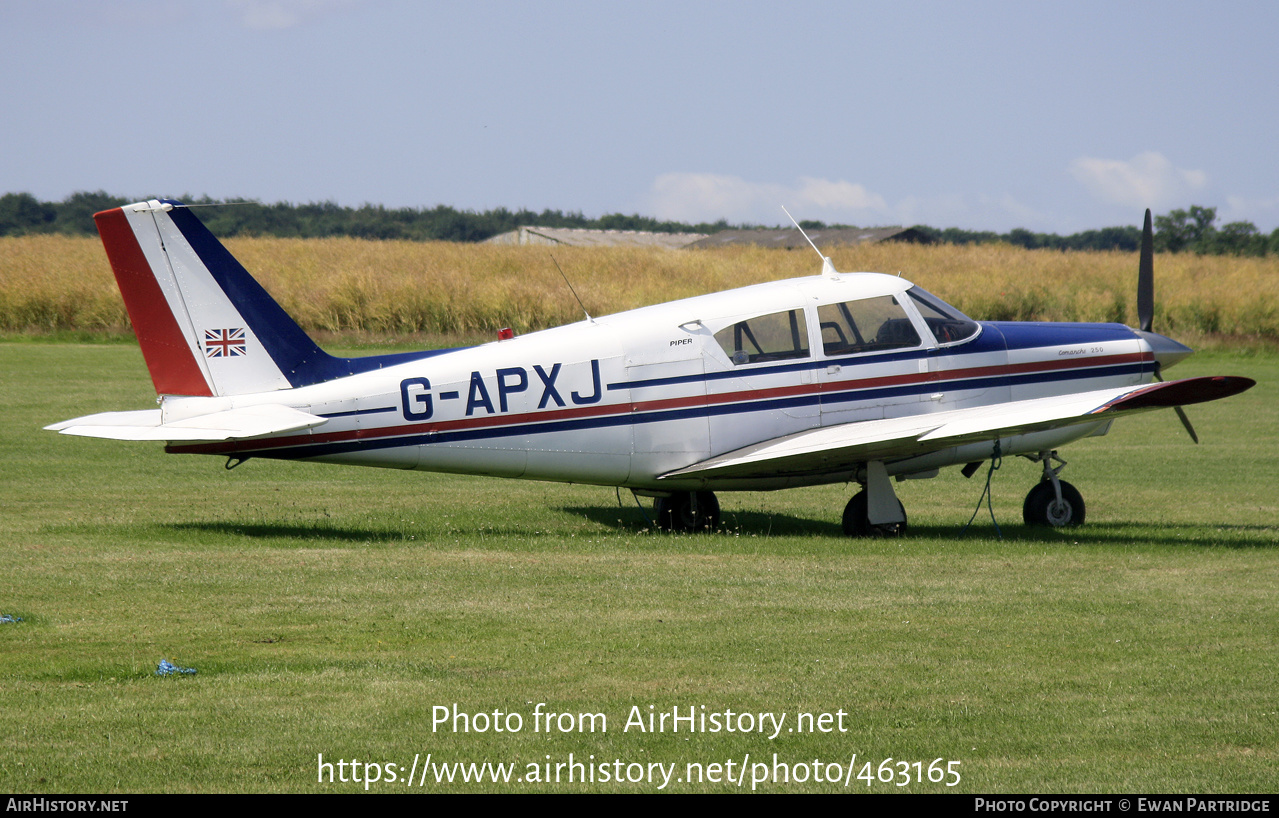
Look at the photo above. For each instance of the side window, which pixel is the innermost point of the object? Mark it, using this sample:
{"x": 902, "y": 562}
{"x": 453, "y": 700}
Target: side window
{"x": 948, "y": 324}
{"x": 777, "y": 336}
{"x": 868, "y": 325}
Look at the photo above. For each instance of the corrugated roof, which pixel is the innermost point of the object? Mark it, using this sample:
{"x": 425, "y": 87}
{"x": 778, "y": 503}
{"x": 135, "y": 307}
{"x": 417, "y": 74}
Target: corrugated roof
{"x": 579, "y": 237}
{"x": 790, "y": 238}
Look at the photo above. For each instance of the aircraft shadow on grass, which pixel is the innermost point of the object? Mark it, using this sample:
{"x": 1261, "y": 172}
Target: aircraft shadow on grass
{"x": 305, "y": 534}
{"x": 629, "y": 518}
{"x": 764, "y": 524}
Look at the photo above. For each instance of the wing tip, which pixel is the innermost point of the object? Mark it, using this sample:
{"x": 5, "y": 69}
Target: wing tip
{"x": 1185, "y": 392}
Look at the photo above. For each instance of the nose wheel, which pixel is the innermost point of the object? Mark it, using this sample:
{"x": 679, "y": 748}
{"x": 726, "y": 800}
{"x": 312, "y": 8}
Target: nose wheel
{"x": 1053, "y": 502}
{"x": 1042, "y": 507}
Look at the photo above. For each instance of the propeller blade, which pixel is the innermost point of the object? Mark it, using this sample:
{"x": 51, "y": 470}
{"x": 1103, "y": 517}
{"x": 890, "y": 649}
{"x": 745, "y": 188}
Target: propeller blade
{"x": 1146, "y": 277}
{"x": 1185, "y": 421}
{"x": 1181, "y": 413}
{"x": 1146, "y": 302}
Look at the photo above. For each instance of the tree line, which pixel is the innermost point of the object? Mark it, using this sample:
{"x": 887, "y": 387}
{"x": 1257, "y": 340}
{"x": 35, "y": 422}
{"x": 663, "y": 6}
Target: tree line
{"x": 22, "y": 213}
{"x": 1192, "y": 230}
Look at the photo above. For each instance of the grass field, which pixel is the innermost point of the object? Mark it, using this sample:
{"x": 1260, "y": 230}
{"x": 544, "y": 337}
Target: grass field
{"x": 329, "y": 610}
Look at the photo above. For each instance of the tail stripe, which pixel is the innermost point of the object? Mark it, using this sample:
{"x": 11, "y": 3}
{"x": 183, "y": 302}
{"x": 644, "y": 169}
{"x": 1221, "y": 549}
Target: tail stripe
{"x": 170, "y": 360}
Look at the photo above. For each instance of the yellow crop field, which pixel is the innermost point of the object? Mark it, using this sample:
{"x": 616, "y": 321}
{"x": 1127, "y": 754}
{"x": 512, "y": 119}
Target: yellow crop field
{"x": 402, "y": 290}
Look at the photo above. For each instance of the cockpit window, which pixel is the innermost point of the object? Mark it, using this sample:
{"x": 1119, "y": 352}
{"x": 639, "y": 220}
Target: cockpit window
{"x": 774, "y": 337}
{"x": 948, "y": 325}
{"x": 868, "y": 325}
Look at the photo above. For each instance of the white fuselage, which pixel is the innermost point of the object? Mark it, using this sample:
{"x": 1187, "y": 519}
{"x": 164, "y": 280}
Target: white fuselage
{"x": 624, "y": 399}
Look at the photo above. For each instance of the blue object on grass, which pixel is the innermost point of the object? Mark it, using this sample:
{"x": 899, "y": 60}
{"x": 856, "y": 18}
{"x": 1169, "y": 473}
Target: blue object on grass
{"x": 167, "y": 668}
{"x": 5, "y": 619}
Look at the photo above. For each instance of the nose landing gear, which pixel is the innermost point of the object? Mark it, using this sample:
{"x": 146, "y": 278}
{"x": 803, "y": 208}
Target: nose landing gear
{"x": 1053, "y": 502}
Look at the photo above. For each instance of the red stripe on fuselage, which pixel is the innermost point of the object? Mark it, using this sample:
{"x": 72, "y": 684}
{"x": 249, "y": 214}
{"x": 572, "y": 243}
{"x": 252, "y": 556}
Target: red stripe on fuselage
{"x": 948, "y": 377}
{"x": 174, "y": 371}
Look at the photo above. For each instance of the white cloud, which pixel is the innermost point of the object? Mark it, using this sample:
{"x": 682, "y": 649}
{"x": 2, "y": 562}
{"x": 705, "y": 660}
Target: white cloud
{"x": 707, "y": 197}
{"x": 695, "y": 197}
{"x": 1007, "y": 206}
{"x": 839, "y": 195}
{"x": 1146, "y": 180}
{"x": 1261, "y": 212}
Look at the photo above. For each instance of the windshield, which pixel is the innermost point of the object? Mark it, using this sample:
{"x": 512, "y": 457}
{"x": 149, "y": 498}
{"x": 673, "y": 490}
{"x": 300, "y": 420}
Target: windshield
{"x": 948, "y": 325}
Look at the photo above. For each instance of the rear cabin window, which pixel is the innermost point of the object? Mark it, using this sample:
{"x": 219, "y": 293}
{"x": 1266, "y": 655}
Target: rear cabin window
{"x": 778, "y": 336}
{"x": 868, "y": 325}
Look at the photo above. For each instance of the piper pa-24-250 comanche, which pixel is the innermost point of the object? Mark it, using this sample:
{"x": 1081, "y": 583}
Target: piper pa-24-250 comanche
{"x": 839, "y": 377}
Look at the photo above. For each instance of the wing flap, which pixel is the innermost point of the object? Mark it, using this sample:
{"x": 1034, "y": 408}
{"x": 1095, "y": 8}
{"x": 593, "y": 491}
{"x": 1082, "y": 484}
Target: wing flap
{"x": 231, "y": 424}
{"x": 836, "y": 448}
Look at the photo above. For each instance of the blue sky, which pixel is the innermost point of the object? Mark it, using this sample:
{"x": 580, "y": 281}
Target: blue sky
{"x": 1056, "y": 117}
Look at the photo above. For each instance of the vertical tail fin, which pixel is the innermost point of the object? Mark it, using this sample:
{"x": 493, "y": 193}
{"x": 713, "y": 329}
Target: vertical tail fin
{"x": 204, "y": 325}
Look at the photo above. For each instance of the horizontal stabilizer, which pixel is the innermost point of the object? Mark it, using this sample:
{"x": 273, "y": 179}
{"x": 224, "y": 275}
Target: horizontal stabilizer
{"x": 837, "y": 448}
{"x": 231, "y": 424}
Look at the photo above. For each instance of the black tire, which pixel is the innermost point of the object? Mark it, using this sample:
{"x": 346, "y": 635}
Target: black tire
{"x": 679, "y": 512}
{"x": 857, "y": 520}
{"x": 1041, "y": 507}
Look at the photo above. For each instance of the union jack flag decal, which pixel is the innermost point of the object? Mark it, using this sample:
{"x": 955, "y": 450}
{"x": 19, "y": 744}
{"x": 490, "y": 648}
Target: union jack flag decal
{"x": 224, "y": 343}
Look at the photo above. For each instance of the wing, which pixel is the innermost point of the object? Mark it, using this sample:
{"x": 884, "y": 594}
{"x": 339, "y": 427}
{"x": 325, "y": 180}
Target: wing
{"x": 232, "y": 424}
{"x": 835, "y": 448}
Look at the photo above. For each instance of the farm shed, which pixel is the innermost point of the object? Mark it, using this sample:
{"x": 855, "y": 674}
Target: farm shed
{"x": 580, "y": 237}
{"x": 791, "y": 239}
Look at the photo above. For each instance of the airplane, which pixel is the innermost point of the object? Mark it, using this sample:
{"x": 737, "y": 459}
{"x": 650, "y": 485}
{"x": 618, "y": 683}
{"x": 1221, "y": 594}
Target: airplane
{"x": 834, "y": 378}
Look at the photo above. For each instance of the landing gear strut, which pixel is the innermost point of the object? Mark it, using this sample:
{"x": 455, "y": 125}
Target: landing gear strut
{"x": 687, "y": 511}
{"x": 1053, "y": 502}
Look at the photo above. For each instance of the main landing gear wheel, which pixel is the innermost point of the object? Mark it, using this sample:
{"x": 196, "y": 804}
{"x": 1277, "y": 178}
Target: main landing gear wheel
{"x": 1042, "y": 508}
{"x": 857, "y": 520}
{"x": 687, "y": 511}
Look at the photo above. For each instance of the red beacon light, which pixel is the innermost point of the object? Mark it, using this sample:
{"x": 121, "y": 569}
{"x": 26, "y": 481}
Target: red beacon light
{"x": 505, "y": 334}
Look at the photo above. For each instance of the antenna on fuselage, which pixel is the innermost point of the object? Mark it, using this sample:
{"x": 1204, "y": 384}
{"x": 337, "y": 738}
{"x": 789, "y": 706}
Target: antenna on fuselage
{"x": 570, "y": 289}
{"x": 828, "y": 269}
